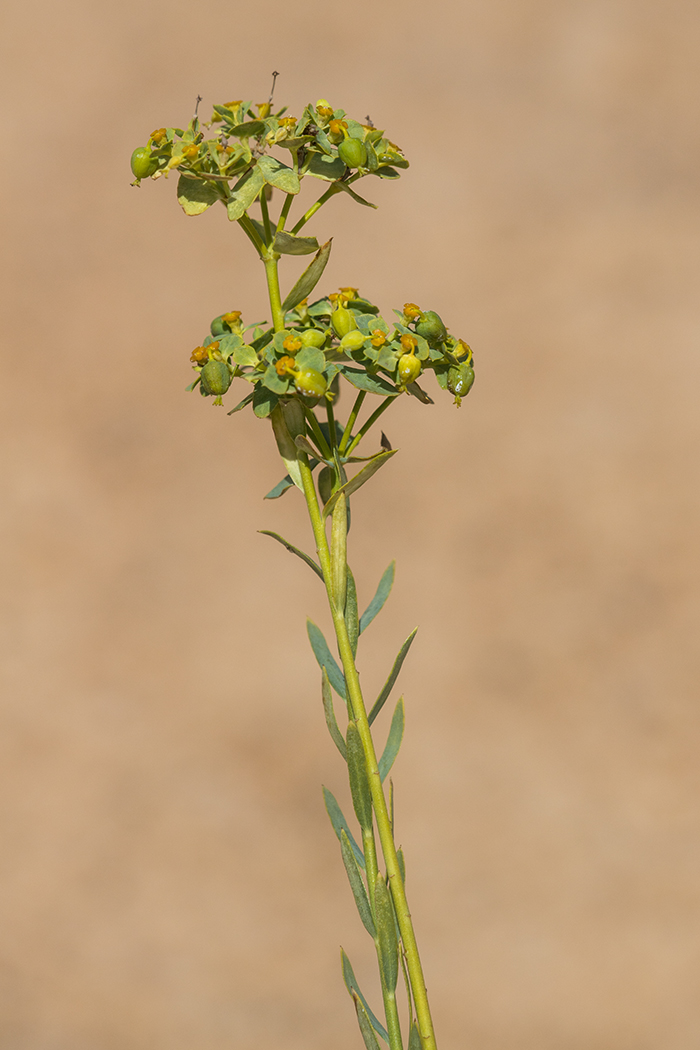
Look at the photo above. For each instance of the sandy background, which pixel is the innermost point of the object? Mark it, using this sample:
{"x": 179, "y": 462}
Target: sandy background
{"x": 169, "y": 878}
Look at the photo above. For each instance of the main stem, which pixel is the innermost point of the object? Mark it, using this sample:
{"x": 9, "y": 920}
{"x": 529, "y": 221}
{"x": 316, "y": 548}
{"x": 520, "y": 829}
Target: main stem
{"x": 386, "y": 838}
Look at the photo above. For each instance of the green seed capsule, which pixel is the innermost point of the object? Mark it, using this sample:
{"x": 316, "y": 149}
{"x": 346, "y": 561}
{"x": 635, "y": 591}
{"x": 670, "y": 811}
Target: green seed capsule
{"x": 409, "y": 369}
{"x": 310, "y": 383}
{"x": 142, "y": 164}
{"x": 431, "y": 328}
{"x": 353, "y": 153}
{"x": 460, "y": 380}
{"x": 312, "y": 337}
{"x": 343, "y": 321}
{"x": 354, "y": 340}
{"x": 215, "y": 378}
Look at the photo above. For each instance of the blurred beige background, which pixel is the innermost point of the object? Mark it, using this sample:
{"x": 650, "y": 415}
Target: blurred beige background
{"x": 169, "y": 877}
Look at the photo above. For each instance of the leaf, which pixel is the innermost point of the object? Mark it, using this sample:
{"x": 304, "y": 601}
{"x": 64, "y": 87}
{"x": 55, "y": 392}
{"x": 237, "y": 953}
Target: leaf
{"x": 278, "y": 174}
{"x": 402, "y": 864}
{"x": 340, "y": 824}
{"x": 309, "y": 279}
{"x": 281, "y": 486}
{"x": 329, "y": 712}
{"x": 285, "y": 443}
{"x": 359, "y": 479}
{"x": 389, "y": 684}
{"x": 330, "y": 169}
{"x": 249, "y": 130}
{"x": 355, "y": 196}
{"x": 363, "y": 381}
{"x": 325, "y": 659}
{"x": 366, "y": 1029}
{"x": 414, "y": 1040}
{"x": 356, "y": 884}
{"x": 382, "y": 593}
{"x": 353, "y": 987}
{"x": 263, "y": 401}
{"x": 295, "y": 550}
{"x": 386, "y": 934}
{"x": 418, "y": 392}
{"x": 305, "y": 445}
{"x": 357, "y": 772}
{"x": 393, "y": 742}
{"x": 244, "y": 193}
{"x": 351, "y": 612}
{"x": 286, "y": 244}
{"x": 194, "y": 195}
{"x": 242, "y": 404}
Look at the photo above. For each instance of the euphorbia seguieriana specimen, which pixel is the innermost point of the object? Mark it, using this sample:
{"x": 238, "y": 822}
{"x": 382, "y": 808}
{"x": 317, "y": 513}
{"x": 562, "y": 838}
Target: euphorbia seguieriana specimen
{"x": 292, "y": 372}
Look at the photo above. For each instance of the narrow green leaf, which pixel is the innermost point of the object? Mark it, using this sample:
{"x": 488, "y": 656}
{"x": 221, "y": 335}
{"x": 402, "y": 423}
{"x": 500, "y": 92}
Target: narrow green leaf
{"x": 351, "y": 621}
{"x": 414, "y": 1040}
{"x": 386, "y": 934}
{"x": 402, "y": 864}
{"x": 281, "y": 486}
{"x": 195, "y": 195}
{"x": 278, "y": 174}
{"x": 357, "y": 772}
{"x": 356, "y": 196}
{"x": 361, "y": 380}
{"x": 356, "y": 884}
{"x": 389, "y": 684}
{"x": 295, "y": 550}
{"x": 382, "y": 593}
{"x": 244, "y": 193}
{"x": 286, "y": 244}
{"x": 242, "y": 404}
{"x": 329, "y": 712}
{"x": 359, "y": 479}
{"x": 366, "y": 1029}
{"x": 418, "y": 392}
{"x": 309, "y": 279}
{"x": 354, "y": 990}
{"x": 325, "y": 658}
{"x": 393, "y": 742}
{"x": 340, "y": 824}
{"x": 285, "y": 442}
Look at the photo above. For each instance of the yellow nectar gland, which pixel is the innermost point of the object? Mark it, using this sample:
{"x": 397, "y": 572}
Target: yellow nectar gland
{"x": 408, "y": 344}
{"x": 158, "y": 135}
{"x": 291, "y": 344}
{"x": 199, "y": 354}
{"x": 338, "y": 127}
{"x": 286, "y": 365}
{"x": 191, "y": 151}
{"x": 350, "y": 293}
{"x": 461, "y": 349}
{"x": 288, "y": 122}
{"x": 378, "y": 337}
{"x": 411, "y": 311}
{"x": 232, "y": 317}
{"x": 233, "y": 105}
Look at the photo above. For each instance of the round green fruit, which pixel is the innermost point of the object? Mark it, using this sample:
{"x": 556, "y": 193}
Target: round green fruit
{"x": 310, "y": 383}
{"x": 143, "y": 164}
{"x": 215, "y": 378}
{"x": 313, "y": 337}
{"x": 460, "y": 380}
{"x": 409, "y": 369}
{"x": 353, "y": 153}
{"x": 343, "y": 321}
{"x": 432, "y": 329}
{"x": 353, "y": 340}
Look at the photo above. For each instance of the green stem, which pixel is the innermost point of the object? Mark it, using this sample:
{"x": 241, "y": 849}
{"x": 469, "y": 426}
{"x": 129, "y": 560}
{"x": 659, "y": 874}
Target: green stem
{"x": 330, "y": 192}
{"x": 285, "y": 212}
{"x": 351, "y": 421}
{"x": 317, "y": 433}
{"x": 369, "y": 424}
{"x": 331, "y": 425}
{"x": 273, "y": 290}
{"x": 251, "y": 233}
{"x": 386, "y": 838}
{"x": 265, "y": 217}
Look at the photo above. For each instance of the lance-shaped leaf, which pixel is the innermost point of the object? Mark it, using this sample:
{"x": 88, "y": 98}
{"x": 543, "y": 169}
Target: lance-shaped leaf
{"x": 340, "y": 824}
{"x": 286, "y": 244}
{"x": 329, "y": 712}
{"x": 382, "y": 593}
{"x": 242, "y": 404}
{"x": 361, "y": 380}
{"x": 309, "y": 279}
{"x": 357, "y": 772}
{"x": 244, "y": 193}
{"x": 325, "y": 658}
{"x": 418, "y": 392}
{"x": 351, "y": 621}
{"x": 402, "y": 864}
{"x": 366, "y": 1030}
{"x": 414, "y": 1040}
{"x": 389, "y": 684}
{"x": 295, "y": 550}
{"x": 393, "y": 742}
{"x": 354, "y": 990}
{"x": 281, "y": 486}
{"x": 355, "y": 196}
{"x": 194, "y": 195}
{"x": 278, "y": 174}
{"x": 356, "y": 884}
{"x": 359, "y": 479}
{"x": 386, "y": 934}
{"x": 285, "y": 442}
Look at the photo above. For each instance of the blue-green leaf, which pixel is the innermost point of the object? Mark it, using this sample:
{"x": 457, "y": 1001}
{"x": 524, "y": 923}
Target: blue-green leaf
{"x": 414, "y": 1040}
{"x": 351, "y": 621}
{"x": 354, "y": 990}
{"x": 328, "y": 168}
{"x": 294, "y": 550}
{"x": 329, "y": 712}
{"x": 355, "y": 196}
{"x": 286, "y": 244}
{"x": 263, "y": 401}
{"x": 340, "y": 824}
{"x": 356, "y": 884}
{"x": 278, "y": 174}
{"x": 360, "y": 478}
{"x": 366, "y": 1029}
{"x": 361, "y": 380}
{"x": 389, "y": 684}
{"x": 325, "y": 658}
{"x": 393, "y": 742}
{"x": 244, "y": 193}
{"x": 281, "y": 486}
{"x": 250, "y": 129}
{"x": 386, "y": 934}
{"x": 195, "y": 195}
{"x": 382, "y": 593}
{"x": 309, "y": 279}
{"x": 359, "y": 782}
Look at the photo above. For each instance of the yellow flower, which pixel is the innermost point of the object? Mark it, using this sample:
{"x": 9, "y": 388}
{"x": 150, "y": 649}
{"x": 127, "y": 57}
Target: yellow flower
{"x": 291, "y": 344}
{"x": 158, "y": 135}
{"x": 411, "y": 311}
{"x": 408, "y": 343}
{"x": 285, "y": 365}
{"x": 378, "y": 338}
